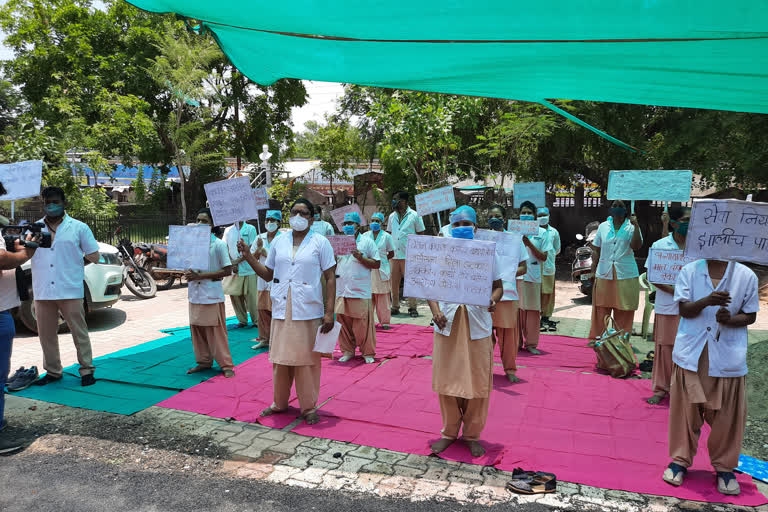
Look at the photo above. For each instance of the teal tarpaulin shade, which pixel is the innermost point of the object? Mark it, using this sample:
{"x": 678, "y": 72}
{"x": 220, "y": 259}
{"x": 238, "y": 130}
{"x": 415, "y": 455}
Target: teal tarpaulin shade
{"x": 685, "y": 53}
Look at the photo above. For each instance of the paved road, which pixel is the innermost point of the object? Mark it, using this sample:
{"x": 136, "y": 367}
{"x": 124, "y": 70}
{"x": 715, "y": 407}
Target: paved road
{"x": 62, "y": 483}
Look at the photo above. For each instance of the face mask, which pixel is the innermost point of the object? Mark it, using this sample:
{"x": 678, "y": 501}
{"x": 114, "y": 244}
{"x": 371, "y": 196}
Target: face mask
{"x": 527, "y": 217}
{"x": 317, "y": 216}
{"x": 271, "y": 227}
{"x": 348, "y": 230}
{"x": 467, "y": 232}
{"x": 298, "y": 223}
{"x": 375, "y": 226}
{"x": 619, "y": 211}
{"x": 682, "y": 228}
{"x": 544, "y": 220}
{"x": 395, "y": 202}
{"x": 54, "y": 210}
{"x": 496, "y": 223}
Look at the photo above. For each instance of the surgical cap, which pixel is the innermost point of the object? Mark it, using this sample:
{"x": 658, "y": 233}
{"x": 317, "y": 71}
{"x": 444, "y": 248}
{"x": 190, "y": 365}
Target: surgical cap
{"x": 352, "y": 217}
{"x": 464, "y": 213}
{"x": 274, "y": 214}
{"x": 378, "y": 215}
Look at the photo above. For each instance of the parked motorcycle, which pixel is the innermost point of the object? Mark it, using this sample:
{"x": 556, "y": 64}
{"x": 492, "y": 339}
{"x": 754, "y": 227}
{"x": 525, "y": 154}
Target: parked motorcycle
{"x": 581, "y": 269}
{"x": 139, "y": 281}
{"x": 153, "y": 258}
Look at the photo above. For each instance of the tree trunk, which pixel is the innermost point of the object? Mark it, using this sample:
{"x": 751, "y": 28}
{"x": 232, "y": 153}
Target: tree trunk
{"x": 179, "y": 167}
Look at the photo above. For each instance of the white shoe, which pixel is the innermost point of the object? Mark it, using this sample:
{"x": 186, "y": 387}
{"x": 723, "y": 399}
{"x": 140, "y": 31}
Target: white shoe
{"x": 674, "y": 475}
{"x": 369, "y": 359}
{"x": 731, "y": 488}
{"x": 345, "y": 358}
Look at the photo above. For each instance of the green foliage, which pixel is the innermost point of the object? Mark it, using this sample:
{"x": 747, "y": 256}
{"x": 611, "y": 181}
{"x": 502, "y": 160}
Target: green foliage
{"x": 303, "y": 145}
{"x": 139, "y": 189}
{"x": 286, "y": 194}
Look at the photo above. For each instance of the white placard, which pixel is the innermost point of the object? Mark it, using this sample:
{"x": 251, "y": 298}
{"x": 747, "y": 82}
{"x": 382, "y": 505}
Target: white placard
{"x": 338, "y": 214}
{"x": 665, "y": 264}
{"x": 262, "y": 198}
{"x": 728, "y": 229}
{"x": 650, "y": 185}
{"x": 453, "y": 270}
{"x": 231, "y": 201}
{"x": 523, "y": 227}
{"x": 534, "y": 192}
{"x": 437, "y": 200}
{"x": 342, "y": 244}
{"x": 326, "y": 343}
{"x": 21, "y": 179}
{"x": 189, "y": 247}
{"x": 508, "y": 249}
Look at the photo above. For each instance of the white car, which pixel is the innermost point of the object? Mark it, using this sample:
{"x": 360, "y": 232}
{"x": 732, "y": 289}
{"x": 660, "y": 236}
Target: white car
{"x": 103, "y": 284}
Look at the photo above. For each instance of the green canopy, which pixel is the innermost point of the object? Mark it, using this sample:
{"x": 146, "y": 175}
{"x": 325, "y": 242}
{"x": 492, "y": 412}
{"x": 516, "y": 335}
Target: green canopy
{"x": 686, "y": 53}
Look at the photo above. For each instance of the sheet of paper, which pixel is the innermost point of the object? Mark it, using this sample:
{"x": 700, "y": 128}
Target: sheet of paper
{"x": 262, "y": 198}
{"x": 534, "y": 192}
{"x": 437, "y": 200}
{"x": 449, "y": 269}
{"x": 523, "y": 227}
{"x": 508, "y": 249}
{"x": 342, "y": 244}
{"x": 728, "y": 229}
{"x": 326, "y": 343}
{"x": 21, "y": 179}
{"x": 673, "y": 186}
{"x": 664, "y": 265}
{"x": 338, "y": 214}
{"x": 188, "y": 247}
{"x": 231, "y": 201}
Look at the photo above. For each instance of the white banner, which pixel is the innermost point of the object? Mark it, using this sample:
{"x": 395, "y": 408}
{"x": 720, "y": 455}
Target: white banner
{"x": 453, "y": 270}
{"x": 665, "y": 264}
{"x": 523, "y": 227}
{"x": 508, "y": 249}
{"x": 437, "y": 200}
{"x": 534, "y": 192}
{"x": 342, "y": 244}
{"x": 338, "y": 214}
{"x": 728, "y": 229}
{"x": 189, "y": 247}
{"x": 650, "y": 185}
{"x": 262, "y": 198}
{"x": 231, "y": 201}
{"x": 21, "y": 179}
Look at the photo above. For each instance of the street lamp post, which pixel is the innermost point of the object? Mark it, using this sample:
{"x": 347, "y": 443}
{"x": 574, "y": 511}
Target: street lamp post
{"x": 265, "y": 156}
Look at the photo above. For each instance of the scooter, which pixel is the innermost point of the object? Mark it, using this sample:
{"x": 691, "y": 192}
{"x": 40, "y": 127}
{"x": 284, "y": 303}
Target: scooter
{"x": 581, "y": 269}
{"x": 139, "y": 281}
{"x": 153, "y": 258}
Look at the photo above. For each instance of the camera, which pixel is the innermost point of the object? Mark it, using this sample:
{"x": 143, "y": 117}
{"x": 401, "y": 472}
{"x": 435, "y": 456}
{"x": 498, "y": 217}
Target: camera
{"x": 39, "y": 239}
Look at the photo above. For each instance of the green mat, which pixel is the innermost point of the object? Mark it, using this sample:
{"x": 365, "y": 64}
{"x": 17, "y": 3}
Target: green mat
{"x": 135, "y": 378}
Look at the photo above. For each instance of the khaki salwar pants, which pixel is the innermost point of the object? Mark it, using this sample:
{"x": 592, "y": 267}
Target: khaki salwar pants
{"x": 47, "y": 313}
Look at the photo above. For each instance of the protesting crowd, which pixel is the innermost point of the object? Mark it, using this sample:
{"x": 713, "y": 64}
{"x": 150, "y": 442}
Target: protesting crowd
{"x": 292, "y": 284}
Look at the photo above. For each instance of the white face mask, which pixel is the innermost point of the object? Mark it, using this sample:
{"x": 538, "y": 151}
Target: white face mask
{"x": 271, "y": 227}
{"x": 298, "y": 223}
{"x": 543, "y": 221}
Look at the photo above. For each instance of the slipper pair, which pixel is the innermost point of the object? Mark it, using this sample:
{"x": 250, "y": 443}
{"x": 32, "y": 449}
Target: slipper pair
{"x": 532, "y": 482}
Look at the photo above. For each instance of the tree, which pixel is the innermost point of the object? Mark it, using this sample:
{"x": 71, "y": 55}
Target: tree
{"x": 336, "y": 145}
{"x": 303, "y": 144}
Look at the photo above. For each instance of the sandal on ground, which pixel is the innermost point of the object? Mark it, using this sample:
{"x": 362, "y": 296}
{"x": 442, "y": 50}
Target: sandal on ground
{"x": 532, "y": 486}
{"x": 539, "y": 476}
{"x": 414, "y": 313}
{"x": 674, "y": 474}
{"x": 311, "y": 418}
{"x": 394, "y": 311}
{"x": 727, "y": 483}
{"x": 229, "y": 374}
{"x": 551, "y": 326}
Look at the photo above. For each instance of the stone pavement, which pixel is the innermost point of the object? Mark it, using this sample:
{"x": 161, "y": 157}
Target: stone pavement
{"x": 256, "y": 452}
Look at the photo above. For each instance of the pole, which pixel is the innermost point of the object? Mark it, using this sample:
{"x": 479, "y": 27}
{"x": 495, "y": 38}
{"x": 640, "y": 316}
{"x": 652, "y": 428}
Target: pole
{"x": 258, "y": 223}
{"x": 633, "y": 207}
{"x": 439, "y": 224}
{"x": 666, "y": 206}
{"x": 13, "y": 211}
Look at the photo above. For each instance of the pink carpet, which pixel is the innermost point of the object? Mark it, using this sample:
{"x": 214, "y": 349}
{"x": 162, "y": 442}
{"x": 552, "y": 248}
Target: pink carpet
{"x": 406, "y": 340}
{"x": 586, "y": 428}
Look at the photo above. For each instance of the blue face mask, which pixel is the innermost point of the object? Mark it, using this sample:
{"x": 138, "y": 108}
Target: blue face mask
{"x": 527, "y": 217}
{"x": 54, "y": 210}
{"x": 394, "y": 203}
{"x": 619, "y": 211}
{"x": 375, "y": 226}
{"x": 348, "y": 230}
{"x": 496, "y": 223}
{"x": 682, "y": 228}
{"x": 467, "y": 232}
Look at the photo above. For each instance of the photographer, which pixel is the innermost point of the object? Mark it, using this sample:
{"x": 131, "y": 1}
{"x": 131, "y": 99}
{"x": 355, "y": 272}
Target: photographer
{"x": 9, "y": 299}
{"x": 57, "y": 283}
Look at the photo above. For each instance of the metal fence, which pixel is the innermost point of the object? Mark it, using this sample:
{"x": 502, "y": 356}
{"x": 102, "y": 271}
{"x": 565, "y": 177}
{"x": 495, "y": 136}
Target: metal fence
{"x": 149, "y": 229}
